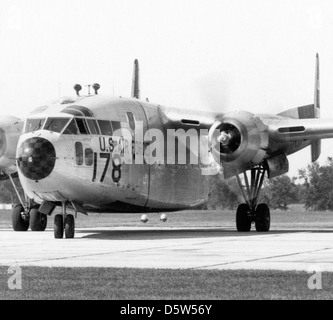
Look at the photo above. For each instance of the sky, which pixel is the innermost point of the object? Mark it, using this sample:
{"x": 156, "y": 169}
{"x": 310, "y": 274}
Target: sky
{"x": 214, "y": 55}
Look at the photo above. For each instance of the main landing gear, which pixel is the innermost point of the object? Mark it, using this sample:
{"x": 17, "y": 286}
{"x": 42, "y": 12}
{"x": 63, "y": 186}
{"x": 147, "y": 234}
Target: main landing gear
{"x": 25, "y": 214}
{"x": 23, "y": 217}
{"x": 251, "y": 211}
{"x": 20, "y": 221}
{"x": 64, "y": 223}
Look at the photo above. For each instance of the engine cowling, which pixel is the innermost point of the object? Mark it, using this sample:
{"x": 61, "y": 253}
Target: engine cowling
{"x": 10, "y": 131}
{"x": 238, "y": 138}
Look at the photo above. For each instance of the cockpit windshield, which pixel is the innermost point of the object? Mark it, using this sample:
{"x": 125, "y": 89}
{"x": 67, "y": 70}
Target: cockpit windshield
{"x": 56, "y": 124}
{"x": 34, "y": 125}
{"x": 71, "y": 128}
{"x": 72, "y": 125}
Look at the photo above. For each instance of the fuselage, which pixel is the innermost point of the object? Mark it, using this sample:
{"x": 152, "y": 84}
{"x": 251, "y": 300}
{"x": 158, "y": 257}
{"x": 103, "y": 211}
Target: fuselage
{"x": 109, "y": 154}
{"x": 99, "y": 153}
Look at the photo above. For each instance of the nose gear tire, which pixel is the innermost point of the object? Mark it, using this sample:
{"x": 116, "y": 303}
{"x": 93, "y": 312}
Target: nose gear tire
{"x": 58, "y": 226}
{"x": 69, "y": 226}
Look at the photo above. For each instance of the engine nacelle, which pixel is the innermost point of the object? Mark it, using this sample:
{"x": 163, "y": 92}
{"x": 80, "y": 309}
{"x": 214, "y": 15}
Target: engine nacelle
{"x": 10, "y": 131}
{"x": 238, "y": 138}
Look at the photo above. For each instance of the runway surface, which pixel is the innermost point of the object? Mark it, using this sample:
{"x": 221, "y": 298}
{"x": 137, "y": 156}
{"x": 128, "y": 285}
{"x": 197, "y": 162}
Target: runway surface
{"x": 185, "y": 248}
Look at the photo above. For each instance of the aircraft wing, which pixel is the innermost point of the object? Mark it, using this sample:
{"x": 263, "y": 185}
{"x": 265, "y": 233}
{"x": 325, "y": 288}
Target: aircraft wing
{"x": 241, "y": 140}
{"x": 287, "y": 130}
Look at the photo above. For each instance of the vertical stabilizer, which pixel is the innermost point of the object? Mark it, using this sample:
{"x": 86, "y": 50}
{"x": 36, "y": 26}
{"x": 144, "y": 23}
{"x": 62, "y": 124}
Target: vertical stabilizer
{"x": 136, "y": 81}
{"x": 317, "y": 87}
{"x": 316, "y": 145}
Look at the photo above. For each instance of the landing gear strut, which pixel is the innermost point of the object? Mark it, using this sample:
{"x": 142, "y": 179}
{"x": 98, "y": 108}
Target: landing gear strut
{"x": 252, "y": 211}
{"x": 20, "y": 216}
{"x": 64, "y": 222}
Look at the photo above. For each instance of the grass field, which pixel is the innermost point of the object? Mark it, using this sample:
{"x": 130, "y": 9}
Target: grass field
{"x": 147, "y": 284}
{"x": 112, "y": 283}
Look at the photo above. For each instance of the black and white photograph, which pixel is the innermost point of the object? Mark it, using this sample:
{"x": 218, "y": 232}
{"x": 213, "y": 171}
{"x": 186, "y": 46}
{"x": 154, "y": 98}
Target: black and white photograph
{"x": 166, "y": 155}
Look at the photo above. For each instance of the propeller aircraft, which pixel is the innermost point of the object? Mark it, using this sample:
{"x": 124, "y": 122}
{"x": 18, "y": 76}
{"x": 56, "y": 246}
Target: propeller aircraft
{"x": 96, "y": 153}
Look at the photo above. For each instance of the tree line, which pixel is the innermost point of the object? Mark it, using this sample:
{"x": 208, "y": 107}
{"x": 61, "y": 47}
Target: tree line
{"x": 314, "y": 189}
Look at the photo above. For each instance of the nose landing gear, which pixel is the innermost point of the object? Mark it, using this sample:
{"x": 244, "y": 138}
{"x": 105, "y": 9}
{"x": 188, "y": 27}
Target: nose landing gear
{"x": 64, "y": 223}
{"x": 58, "y": 226}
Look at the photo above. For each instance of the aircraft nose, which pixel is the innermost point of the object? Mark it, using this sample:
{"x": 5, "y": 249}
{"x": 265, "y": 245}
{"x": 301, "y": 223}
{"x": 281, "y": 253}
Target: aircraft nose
{"x": 36, "y": 158}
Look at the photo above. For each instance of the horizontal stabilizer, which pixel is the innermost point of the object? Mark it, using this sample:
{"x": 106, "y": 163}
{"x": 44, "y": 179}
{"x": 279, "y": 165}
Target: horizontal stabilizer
{"x": 304, "y": 112}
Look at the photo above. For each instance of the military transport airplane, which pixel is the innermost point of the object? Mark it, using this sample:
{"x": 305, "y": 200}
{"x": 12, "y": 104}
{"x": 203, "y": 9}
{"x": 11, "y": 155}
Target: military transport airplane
{"x": 95, "y": 153}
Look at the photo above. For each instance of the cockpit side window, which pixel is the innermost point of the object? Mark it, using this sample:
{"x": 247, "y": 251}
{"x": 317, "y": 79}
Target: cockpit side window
{"x": 93, "y": 127}
{"x": 81, "y": 123}
{"x": 131, "y": 120}
{"x": 34, "y": 125}
{"x": 56, "y": 124}
{"x": 79, "y": 153}
{"x": 71, "y": 128}
{"x": 106, "y": 128}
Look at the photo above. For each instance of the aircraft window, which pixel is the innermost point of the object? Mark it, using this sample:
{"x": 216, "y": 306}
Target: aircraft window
{"x": 105, "y": 126}
{"x": 93, "y": 127}
{"x": 79, "y": 153}
{"x": 34, "y": 125}
{"x": 115, "y": 125}
{"x": 55, "y": 124}
{"x": 78, "y": 111}
{"x": 131, "y": 120}
{"x": 71, "y": 128}
{"x": 89, "y": 157}
{"x": 81, "y": 123}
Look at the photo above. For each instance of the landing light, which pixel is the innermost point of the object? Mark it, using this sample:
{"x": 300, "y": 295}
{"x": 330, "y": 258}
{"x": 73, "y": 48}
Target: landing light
{"x": 163, "y": 217}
